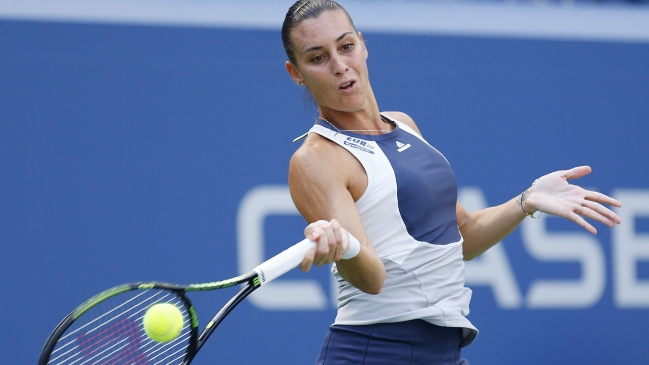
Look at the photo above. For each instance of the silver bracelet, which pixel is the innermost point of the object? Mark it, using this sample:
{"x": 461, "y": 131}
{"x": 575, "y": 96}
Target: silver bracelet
{"x": 522, "y": 200}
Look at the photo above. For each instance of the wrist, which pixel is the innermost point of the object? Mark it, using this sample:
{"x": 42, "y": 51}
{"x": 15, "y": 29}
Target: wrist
{"x": 524, "y": 200}
{"x": 353, "y": 249}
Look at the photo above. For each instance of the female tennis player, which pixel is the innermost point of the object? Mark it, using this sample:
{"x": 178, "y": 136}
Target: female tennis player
{"x": 382, "y": 206}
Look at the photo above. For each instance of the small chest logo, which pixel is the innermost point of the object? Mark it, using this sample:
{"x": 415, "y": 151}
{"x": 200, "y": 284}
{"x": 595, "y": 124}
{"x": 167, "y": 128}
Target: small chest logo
{"x": 402, "y": 146}
{"x": 359, "y": 144}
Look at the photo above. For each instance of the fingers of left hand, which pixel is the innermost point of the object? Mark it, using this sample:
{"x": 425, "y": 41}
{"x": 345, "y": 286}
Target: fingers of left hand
{"x": 592, "y": 200}
{"x": 582, "y": 222}
{"x": 576, "y": 172}
{"x": 599, "y": 213}
{"x": 601, "y": 198}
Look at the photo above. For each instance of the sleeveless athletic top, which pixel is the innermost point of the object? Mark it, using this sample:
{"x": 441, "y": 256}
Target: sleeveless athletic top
{"x": 408, "y": 213}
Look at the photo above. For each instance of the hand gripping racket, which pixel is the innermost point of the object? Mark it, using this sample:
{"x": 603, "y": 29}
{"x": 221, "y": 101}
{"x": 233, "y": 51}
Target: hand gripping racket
{"x": 107, "y": 329}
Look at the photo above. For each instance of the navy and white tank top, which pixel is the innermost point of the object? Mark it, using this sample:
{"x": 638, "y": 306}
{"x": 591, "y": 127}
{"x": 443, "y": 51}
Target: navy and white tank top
{"x": 408, "y": 213}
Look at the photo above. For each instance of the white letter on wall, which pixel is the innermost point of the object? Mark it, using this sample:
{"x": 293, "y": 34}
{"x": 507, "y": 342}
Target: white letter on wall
{"x": 281, "y": 294}
{"x": 492, "y": 268}
{"x": 564, "y": 247}
{"x": 630, "y": 247}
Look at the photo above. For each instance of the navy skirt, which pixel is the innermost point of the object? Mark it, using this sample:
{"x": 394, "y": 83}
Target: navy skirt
{"x": 404, "y": 343}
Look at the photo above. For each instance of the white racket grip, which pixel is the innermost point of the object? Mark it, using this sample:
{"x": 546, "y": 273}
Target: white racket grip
{"x": 283, "y": 262}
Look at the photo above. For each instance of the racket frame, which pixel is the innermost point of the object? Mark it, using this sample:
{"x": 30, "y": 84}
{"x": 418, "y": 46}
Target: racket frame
{"x": 196, "y": 341}
{"x": 266, "y": 272}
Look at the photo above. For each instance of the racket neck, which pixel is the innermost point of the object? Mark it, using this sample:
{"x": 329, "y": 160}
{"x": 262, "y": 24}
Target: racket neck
{"x": 251, "y": 285}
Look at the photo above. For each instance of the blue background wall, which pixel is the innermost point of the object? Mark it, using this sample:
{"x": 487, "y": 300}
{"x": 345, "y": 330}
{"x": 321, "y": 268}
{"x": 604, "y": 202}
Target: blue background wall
{"x": 125, "y": 152}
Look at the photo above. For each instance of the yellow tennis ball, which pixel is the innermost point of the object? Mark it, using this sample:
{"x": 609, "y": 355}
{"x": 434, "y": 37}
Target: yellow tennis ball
{"x": 163, "y": 322}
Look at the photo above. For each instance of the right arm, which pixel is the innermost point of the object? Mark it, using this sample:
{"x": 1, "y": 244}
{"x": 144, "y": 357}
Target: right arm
{"x": 321, "y": 175}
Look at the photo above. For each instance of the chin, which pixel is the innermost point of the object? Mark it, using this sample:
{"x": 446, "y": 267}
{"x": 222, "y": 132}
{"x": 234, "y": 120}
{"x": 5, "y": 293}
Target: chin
{"x": 352, "y": 104}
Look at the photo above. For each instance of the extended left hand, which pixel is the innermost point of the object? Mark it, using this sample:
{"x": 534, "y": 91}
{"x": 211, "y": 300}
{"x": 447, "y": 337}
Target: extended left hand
{"x": 552, "y": 194}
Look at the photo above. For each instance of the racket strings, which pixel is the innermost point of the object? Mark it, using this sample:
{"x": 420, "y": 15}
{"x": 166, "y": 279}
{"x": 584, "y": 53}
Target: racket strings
{"x": 64, "y": 342}
{"x": 156, "y": 351}
{"x": 112, "y": 333}
{"x": 117, "y": 308}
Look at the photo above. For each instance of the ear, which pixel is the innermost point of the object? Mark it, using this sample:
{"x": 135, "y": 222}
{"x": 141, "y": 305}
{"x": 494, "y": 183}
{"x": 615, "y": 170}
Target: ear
{"x": 294, "y": 73}
{"x": 360, "y": 36}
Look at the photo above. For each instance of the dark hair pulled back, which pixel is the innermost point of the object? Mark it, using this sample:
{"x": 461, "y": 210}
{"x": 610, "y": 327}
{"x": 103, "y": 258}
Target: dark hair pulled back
{"x": 302, "y": 10}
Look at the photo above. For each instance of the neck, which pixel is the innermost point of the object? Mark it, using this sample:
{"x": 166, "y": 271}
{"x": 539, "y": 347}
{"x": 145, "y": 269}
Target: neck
{"x": 367, "y": 118}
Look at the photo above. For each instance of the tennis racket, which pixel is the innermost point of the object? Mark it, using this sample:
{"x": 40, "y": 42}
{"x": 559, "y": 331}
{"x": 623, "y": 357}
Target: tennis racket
{"x": 107, "y": 329}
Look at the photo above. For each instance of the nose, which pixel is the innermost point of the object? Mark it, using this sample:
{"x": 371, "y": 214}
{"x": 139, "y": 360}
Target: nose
{"x": 338, "y": 65}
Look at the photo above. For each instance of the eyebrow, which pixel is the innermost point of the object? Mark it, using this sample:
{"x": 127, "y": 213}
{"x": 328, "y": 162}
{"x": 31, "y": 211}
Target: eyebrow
{"x": 320, "y": 47}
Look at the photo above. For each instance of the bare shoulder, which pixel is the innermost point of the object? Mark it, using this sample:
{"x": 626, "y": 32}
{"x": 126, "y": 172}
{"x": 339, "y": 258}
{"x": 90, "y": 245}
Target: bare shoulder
{"x": 324, "y": 178}
{"x": 405, "y": 119}
{"x": 318, "y": 177}
{"x": 314, "y": 155}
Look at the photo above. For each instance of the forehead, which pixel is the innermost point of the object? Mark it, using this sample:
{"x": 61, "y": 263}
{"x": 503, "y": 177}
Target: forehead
{"x": 324, "y": 29}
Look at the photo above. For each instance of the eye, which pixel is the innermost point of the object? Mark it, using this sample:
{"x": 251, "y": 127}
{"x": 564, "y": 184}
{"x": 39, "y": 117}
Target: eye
{"x": 347, "y": 47}
{"x": 317, "y": 58}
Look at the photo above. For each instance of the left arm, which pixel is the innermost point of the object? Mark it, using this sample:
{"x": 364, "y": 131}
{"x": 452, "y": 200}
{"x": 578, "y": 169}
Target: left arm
{"x": 551, "y": 194}
{"x": 484, "y": 228}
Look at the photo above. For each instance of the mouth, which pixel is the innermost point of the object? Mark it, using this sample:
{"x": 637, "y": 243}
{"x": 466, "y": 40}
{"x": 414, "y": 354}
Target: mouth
{"x": 347, "y": 85}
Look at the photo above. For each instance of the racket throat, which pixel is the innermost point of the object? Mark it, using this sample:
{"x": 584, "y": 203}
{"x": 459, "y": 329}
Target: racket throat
{"x": 220, "y": 316}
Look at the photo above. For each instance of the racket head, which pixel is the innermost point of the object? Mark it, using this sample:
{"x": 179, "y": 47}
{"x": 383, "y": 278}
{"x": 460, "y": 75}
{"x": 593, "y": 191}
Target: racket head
{"x": 108, "y": 329}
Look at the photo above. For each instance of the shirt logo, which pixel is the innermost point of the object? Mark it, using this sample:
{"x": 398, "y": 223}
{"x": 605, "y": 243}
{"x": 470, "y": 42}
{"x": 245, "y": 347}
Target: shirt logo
{"x": 402, "y": 146}
{"x": 359, "y": 144}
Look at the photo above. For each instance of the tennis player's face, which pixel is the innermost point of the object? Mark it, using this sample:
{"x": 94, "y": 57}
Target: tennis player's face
{"x": 331, "y": 61}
